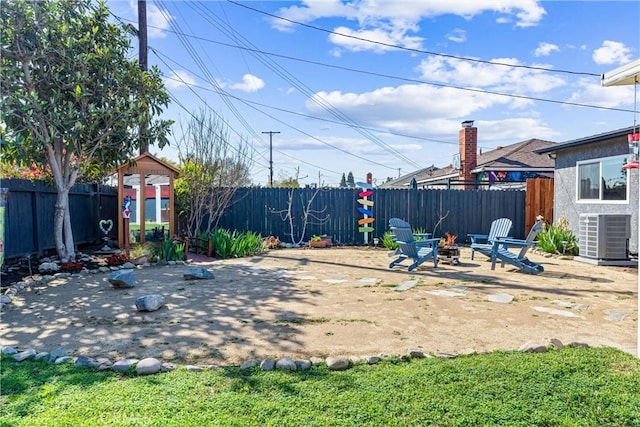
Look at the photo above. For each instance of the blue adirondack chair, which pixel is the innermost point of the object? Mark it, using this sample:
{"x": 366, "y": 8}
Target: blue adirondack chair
{"x": 418, "y": 251}
{"x": 500, "y": 251}
{"x": 483, "y": 243}
{"x": 397, "y": 222}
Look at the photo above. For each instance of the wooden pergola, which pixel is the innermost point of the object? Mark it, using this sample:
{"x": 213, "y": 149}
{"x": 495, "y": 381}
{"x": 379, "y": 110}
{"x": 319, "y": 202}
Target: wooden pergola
{"x": 144, "y": 166}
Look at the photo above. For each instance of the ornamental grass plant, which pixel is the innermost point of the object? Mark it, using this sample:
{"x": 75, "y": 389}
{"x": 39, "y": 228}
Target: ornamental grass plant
{"x": 558, "y": 239}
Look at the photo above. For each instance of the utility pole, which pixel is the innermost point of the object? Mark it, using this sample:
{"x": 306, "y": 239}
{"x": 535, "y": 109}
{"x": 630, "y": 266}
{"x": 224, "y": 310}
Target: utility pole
{"x": 142, "y": 58}
{"x": 271, "y": 156}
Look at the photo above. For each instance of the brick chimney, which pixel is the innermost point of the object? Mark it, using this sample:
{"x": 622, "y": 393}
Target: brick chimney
{"x": 468, "y": 139}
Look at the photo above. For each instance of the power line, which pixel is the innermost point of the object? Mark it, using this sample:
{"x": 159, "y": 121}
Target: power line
{"x": 462, "y": 58}
{"x": 408, "y": 79}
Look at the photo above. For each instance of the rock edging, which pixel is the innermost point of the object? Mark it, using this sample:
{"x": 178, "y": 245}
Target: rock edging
{"x": 151, "y": 365}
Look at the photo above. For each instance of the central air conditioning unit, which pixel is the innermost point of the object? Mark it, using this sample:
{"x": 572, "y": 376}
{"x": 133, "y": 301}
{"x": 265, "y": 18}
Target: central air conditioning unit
{"x": 604, "y": 236}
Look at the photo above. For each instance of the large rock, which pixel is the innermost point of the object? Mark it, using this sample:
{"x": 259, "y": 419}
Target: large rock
{"x": 123, "y": 279}
{"x": 124, "y": 365}
{"x": 337, "y": 363}
{"x": 148, "y": 366}
{"x": 197, "y": 273}
{"x": 24, "y": 355}
{"x": 149, "y": 302}
{"x": 286, "y": 364}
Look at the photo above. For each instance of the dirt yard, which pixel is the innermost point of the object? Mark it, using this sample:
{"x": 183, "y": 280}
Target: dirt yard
{"x": 320, "y": 302}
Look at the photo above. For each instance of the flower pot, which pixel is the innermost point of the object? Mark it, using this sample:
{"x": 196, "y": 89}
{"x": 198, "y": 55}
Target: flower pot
{"x": 318, "y": 243}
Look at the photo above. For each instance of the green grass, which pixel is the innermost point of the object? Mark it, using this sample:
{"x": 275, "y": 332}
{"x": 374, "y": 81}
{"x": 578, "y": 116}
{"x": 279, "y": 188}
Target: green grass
{"x": 572, "y": 387}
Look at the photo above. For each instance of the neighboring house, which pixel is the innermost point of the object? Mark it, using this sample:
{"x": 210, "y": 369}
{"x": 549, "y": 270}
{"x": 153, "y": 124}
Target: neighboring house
{"x": 504, "y": 167}
{"x": 590, "y": 179}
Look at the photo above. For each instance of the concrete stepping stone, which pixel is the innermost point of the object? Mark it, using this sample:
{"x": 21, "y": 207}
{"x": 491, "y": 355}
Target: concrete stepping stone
{"x": 571, "y": 305}
{"x": 500, "y": 298}
{"x": 618, "y": 316}
{"x": 368, "y": 281}
{"x": 444, "y": 293}
{"x": 334, "y": 281}
{"x": 406, "y": 285}
{"x": 555, "y": 311}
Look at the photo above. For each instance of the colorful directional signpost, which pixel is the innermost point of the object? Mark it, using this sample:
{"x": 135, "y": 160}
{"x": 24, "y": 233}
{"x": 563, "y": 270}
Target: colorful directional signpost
{"x": 365, "y": 224}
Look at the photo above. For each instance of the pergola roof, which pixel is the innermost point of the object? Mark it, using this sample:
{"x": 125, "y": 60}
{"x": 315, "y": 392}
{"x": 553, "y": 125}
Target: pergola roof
{"x": 627, "y": 74}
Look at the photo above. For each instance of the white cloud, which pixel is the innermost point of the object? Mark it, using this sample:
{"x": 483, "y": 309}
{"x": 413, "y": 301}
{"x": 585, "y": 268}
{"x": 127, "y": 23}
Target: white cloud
{"x": 359, "y": 40}
{"x": 457, "y": 35}
{"x": 496, "y": 78}
{"x": 250, "y": 83}
{"x": 178, "y": 79}
{"x": 611, "y": 53}
{"x": 405, "y": 108}
{"x": 545, "y": 49}
{"x": 592, "y": 93}
{"x": 393, "y": 21}
{"x": 158, "y": 20}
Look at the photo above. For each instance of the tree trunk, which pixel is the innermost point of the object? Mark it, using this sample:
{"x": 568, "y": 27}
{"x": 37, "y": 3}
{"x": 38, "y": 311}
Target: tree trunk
{"x": 62, "y": 205}
{"x": 68, "y": 233}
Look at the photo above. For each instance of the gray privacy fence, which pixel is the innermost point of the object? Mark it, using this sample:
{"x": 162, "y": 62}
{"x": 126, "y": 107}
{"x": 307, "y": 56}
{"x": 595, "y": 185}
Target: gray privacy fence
{"x": 335, "y": 211}
{"x": 30, "y": 210}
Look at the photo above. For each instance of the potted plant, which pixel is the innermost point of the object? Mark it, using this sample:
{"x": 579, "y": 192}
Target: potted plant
{"x": 317, "y": 242}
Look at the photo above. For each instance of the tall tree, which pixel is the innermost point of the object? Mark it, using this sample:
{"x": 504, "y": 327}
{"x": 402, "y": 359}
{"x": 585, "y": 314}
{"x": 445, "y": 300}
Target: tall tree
{"x": 343, "y": 181}
{"x": 213, "y": 168}
{"x": 350, "y": 181}
{"x": 70, "y": 96}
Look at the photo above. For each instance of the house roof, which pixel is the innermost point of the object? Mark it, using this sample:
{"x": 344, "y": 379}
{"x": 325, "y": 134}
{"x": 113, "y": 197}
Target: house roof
{"x": 586, "y": 140}
{"x": 519, "y": 156}
{"x": 405, "y": 180}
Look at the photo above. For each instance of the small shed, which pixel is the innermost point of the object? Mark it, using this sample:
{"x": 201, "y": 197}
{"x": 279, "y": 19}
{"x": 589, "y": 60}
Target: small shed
{"x": 146, "y": 166}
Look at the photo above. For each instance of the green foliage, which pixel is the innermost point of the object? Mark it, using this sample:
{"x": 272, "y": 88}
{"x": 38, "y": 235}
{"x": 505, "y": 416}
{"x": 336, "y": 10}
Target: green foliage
{"x": 68, "y": 84}
{"x": 343, "y": 181}
{"x": 558, "y": 239}
{"x": 388, "y": 241}
{"x": 71, "y": 97}
{"x": 350, "y": 180}
{"x": 222, "y": 242}
{"x": 289, "y": 182}
{"x": 587, "y": 387}
{"x": 226, "y": 244}
{"x": 170, "y": 250}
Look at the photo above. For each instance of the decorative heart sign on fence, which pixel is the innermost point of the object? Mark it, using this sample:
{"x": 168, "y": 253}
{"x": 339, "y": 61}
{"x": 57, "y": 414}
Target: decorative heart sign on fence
{"x": 105, "y": 225}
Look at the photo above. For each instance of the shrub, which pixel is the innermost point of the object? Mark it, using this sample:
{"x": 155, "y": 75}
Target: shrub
{"x": 558, "y": 239}
{"x": 70, "y": 266}
{"x": 117, "y": 259}
{"x": 388, "y": 241}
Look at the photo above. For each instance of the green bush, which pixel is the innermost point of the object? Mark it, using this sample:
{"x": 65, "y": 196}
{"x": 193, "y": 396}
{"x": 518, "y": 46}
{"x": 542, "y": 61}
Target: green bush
{"x": 558, "y": 239}
{"x": 388, "y": 241}
{"x": 226, "y": 244}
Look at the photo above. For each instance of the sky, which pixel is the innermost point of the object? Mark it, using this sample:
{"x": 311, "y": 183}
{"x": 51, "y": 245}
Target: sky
{"x": 382, "y": 86}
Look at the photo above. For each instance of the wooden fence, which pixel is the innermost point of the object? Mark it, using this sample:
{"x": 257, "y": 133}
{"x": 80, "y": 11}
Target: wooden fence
{"x": 539, "y": 201}
{"x": 30, "y": 212}
{"x": 334, "y": 212}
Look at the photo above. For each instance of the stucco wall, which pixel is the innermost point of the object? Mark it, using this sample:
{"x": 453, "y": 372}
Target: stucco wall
{"x": 565, "y": 199}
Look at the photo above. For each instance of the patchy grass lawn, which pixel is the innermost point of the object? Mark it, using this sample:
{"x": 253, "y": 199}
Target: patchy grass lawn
{"x": 571, "y": 387}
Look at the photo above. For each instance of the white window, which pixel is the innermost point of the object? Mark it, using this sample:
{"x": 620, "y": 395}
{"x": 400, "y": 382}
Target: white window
{"x": 603, "y": 180}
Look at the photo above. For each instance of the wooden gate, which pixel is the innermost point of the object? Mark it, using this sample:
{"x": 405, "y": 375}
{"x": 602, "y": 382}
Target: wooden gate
{"x": 539, "y": 201}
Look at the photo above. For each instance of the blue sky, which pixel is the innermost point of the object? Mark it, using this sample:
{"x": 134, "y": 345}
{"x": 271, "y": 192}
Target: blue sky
{"x": 390, "y": 98}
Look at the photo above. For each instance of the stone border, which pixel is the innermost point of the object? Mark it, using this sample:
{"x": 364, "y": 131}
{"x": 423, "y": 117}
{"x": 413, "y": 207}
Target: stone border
{"x": 151, "y": 365}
